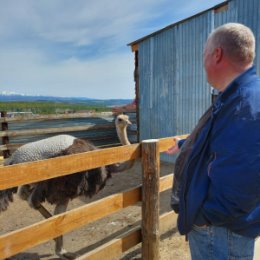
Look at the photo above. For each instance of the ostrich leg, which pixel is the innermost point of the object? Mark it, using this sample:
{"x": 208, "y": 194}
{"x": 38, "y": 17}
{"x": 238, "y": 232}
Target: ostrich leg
{"x": 59, "y": 250}
{"x": 34, "y": 201}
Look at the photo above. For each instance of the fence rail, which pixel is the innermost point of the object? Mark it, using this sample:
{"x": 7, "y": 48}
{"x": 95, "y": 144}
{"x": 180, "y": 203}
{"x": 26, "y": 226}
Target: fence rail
{"x": 15, "y": 175}
{"x": 54, "y": 130}
{"x": 97, "y": 127}
{"x": 18, "y": 118}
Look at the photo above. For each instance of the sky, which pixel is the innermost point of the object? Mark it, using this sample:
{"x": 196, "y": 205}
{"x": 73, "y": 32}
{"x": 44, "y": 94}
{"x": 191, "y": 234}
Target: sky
{"x": 79, "y": 48}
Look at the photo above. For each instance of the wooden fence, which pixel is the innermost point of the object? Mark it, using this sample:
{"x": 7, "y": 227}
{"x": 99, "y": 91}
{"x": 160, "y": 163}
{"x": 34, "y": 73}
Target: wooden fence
{"x": 149, "y": 152}
{"x": 98, "y": 128}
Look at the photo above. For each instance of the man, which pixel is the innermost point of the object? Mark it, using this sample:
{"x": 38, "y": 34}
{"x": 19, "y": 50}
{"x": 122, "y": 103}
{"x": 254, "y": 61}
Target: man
{"x": 218, "y": 168}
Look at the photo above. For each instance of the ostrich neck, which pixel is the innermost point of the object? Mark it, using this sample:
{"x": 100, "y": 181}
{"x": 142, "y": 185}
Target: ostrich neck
{"x": 122, "y": 135}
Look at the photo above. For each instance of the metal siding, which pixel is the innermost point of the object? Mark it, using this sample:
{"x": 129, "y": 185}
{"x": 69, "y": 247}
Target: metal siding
{"x": 248, "y": 14}
{"x": 173, "y": 88}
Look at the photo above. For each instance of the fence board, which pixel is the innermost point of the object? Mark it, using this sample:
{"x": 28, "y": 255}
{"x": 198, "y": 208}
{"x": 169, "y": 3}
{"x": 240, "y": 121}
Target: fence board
{"x": 15, "y": 146}
{"x": 24, "y": 173}
{"x": 18, "y": 118}
{"x": 116, "y": 247}
{"x": 43, "y": 131}
{"x": 16, "y": 175}
{"x": 22, "y": 239}
{"x": 166, "y": 182}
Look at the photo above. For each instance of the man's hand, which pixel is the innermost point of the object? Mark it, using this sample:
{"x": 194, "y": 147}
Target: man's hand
{"x": 175, "y": 148}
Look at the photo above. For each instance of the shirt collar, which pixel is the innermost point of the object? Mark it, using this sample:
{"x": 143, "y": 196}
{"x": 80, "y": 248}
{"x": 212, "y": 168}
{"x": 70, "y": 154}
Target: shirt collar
{"x": 232, "y": 87}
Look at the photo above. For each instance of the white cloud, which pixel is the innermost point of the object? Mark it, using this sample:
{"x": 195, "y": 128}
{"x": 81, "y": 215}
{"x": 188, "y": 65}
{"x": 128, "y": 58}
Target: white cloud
{"x": 76, "y": 22}
{"x": 78, "y": 48}
{"x": 105, "y": 77}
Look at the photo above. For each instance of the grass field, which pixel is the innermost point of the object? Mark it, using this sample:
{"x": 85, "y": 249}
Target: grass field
{"x": 49, "y": 107}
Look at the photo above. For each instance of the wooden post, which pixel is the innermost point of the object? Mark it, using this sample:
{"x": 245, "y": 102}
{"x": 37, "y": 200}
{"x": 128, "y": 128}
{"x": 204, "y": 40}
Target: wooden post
{"x": 5, "y": 139}
{"x": 137, "y": 98}
{"x": 150, "y": 199}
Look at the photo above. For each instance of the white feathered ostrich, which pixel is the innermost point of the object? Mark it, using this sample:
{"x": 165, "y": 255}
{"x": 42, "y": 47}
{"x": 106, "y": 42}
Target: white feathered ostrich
{"x": 60, "y": 190}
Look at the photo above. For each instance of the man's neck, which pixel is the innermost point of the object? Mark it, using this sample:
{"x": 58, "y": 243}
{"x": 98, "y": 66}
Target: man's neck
{"x": 230, "y": 75}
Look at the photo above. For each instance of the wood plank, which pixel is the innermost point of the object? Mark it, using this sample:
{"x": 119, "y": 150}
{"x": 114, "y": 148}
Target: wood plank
{"x": 9, "y": 147}
{"x": 24, "y": 173}
{"x": 15, "y": 175}
{"x": 5, "y": 139}
{"x": 134, "y": 47}
{"x": 14, "y": 133}
{"x": 92, "y": 139}
{"x": 166, "y": 182}
{"x": 116, "y": 247}
{"x": 168, "y": 221}
{"x": 56, "y": 116}
{"x": 22, "y": 239}
{"x": 150, "y": 199}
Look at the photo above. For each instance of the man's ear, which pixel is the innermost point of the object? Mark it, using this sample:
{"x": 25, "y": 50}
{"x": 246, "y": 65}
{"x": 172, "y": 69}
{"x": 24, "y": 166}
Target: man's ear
{"x": 218, "y": 54}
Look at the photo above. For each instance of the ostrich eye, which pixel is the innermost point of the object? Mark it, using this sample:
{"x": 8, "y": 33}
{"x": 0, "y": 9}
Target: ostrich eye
{"x": 119, "y": 119}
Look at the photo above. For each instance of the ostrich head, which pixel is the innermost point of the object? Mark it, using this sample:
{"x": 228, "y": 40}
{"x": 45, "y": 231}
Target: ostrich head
{"x": 122, "y": 121}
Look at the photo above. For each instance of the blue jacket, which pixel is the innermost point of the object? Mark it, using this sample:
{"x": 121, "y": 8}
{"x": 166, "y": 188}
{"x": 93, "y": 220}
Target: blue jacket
{"x": 221, "y": 180}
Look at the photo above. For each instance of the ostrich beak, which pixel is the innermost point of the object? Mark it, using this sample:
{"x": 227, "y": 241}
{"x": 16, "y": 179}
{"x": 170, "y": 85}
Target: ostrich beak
{"x": 120, "y": 167}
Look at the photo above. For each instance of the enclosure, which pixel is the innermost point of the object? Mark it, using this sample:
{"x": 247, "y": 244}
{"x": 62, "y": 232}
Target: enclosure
{"x": 27, "y": 237}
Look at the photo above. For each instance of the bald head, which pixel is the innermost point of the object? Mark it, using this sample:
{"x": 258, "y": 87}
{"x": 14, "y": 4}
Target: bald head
{"x": 229, "y": 51}
{"x": 237, "y": 42}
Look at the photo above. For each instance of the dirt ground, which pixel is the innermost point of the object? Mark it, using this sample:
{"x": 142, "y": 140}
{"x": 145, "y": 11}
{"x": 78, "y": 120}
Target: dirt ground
{"x": 84, "y": 239}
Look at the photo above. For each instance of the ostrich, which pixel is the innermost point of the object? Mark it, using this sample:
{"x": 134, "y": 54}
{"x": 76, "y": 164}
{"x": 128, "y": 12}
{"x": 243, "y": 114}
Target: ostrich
{"x": 60, "y": 190}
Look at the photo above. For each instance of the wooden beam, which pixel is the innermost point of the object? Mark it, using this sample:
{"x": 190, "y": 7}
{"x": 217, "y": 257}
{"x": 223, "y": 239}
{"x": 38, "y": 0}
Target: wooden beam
{"x": 25, "y": 173}
{"x": 116, "y": 247}
{"x": 18, "y": 118}
{"x": 14, "y": 133}
{"x": 5, "y": 139}
{"x": 135, "y": 47}
{"x": 166, "y": 182}
{"x": 150, "y": 199}
{"x": 92, "y": 139}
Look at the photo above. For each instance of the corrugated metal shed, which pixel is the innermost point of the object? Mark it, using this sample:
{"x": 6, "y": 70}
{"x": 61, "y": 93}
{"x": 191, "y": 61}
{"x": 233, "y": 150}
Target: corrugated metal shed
{"x": 173, "y": 92}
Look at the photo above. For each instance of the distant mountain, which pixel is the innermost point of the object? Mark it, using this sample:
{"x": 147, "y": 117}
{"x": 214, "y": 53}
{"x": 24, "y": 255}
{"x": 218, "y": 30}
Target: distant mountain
{"x": 10, "y": 93}
{"x": 6, "y": 96}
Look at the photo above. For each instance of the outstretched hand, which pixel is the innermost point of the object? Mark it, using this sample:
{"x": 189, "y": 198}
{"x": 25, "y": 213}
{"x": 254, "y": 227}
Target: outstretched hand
{"x": 175, "y": 148}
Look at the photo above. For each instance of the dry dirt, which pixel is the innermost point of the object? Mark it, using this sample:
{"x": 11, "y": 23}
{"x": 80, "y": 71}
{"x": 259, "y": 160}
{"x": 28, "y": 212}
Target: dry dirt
{"x": 82, "y": 240}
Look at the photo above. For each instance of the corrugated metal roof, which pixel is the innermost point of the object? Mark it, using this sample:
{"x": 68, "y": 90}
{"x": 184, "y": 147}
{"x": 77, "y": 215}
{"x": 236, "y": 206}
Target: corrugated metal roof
{"x": 177, "y": 23}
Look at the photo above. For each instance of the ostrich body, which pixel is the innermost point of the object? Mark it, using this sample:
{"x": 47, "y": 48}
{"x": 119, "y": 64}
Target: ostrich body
{"x": 60, "y": 190}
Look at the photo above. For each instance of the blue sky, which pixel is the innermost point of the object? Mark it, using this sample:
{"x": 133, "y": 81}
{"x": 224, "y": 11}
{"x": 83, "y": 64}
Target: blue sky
{"x": 79, "y": 48}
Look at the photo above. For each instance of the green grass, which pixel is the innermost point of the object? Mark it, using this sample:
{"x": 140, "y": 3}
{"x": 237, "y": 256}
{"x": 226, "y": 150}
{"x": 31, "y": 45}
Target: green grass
{"x": 48, "y": 107}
